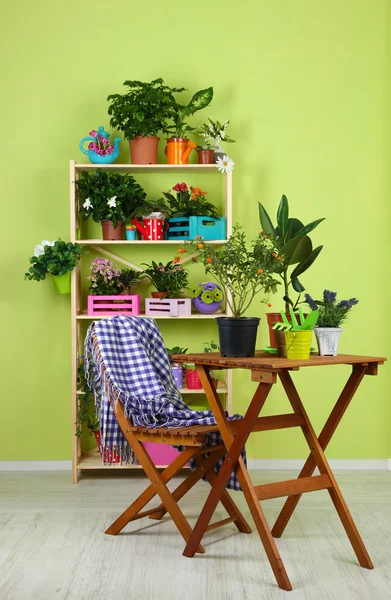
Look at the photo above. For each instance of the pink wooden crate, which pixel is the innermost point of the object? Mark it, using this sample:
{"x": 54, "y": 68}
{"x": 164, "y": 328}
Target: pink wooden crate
{"x": 161, "y": 454}
{"x": 107, "y": 306}
{"x": 168, "y": 307}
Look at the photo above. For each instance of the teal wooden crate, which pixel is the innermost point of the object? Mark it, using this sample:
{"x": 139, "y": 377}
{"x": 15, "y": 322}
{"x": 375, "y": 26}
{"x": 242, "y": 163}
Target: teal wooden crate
{"x": 187, "y": 228}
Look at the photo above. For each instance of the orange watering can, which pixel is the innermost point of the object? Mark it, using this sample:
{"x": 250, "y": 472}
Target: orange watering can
{"x": 178, "y": 150}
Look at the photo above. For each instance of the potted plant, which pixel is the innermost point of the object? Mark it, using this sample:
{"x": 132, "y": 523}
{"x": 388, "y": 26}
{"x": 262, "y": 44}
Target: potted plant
{"x": 141, "y": 113}
{"x": 100, "y": 150}
{"x": 154, "y": 213}
{"x": 331, "y": 316}
{"x": 297, "y": 333}
{"x": 177, "y": 370}
{"x": 178, "y": 146}
{"x": 189, "y": 202}
{"x": 130, "y": 231}
{"x": 243, "y": 272}
{"x": 128, "y": 279}
{"x": 57, "y": 259}
{"x": 212, "y": 347}
{"x": 104, "y": 278}
{"x": 109, "y": 198}
{"x": 207, "y": 297}
{"x": 109, "y": 290}
{"x": 214, "y": 133}
{"x": 292, "y": 251}
{"x": 170, "y": 280}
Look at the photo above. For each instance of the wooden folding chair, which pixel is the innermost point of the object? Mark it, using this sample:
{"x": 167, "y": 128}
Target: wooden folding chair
{"x": 194, "y": 439}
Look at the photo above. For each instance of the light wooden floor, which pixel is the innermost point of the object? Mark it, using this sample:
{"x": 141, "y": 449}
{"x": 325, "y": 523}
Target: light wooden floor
{"x": 52, "y": 545}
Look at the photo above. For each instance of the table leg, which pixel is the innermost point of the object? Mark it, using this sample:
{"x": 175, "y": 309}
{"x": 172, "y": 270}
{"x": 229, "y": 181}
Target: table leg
{"x": 324, "y": 439}
{"x": 235, "y": 447}
{"x": 324, "y": 468}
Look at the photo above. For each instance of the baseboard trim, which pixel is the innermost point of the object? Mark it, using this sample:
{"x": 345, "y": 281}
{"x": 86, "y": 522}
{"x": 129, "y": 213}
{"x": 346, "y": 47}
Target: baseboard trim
{"x": 342, "y": 464}
{"x": 264, "y": 464}
{"x": 35, "y": 465}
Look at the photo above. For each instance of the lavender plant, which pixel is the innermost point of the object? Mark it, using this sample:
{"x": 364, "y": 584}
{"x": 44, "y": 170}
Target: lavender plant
{"x": 331, "y": 312}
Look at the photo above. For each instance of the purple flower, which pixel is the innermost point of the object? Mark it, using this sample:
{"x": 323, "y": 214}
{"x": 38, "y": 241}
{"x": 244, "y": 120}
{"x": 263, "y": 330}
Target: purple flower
{"x": 311, "y": 303}
{"x": 93, "y": 133}
{"x": 353, "y": 301}
{"x": 345, "y": 304}
{"x": 329, "y": 296}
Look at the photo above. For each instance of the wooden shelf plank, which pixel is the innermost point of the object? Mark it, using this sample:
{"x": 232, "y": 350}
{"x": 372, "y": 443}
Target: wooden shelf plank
{"x": 151, "y": 168}
{"x": 93, "y": 460}
{"x": 86, "y": 317}
{"x": 143, "y": 242}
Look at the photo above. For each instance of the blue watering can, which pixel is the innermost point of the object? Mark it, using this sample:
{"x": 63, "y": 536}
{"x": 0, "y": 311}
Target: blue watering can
{"x": 93, "y": 156}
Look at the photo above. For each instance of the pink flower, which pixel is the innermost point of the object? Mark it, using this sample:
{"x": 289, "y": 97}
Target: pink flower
{"x": 93, "y": 133}
{"x": 101, "y": 152}
{"x": 109, "y": 149}
{"x": 91, "y": 146}
{"x": 106, "y": 142}
{"x": 102, "y": 139}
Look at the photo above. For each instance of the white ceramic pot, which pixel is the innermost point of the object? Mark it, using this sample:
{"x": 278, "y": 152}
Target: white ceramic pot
{"x": 328, "y": 338}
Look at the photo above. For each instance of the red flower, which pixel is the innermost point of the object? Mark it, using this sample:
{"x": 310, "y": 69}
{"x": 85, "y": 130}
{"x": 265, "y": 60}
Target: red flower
{"x": 180, "y": 187}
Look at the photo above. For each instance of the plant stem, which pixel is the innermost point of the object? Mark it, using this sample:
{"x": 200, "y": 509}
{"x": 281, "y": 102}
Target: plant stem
{"x": 286, "y": 290}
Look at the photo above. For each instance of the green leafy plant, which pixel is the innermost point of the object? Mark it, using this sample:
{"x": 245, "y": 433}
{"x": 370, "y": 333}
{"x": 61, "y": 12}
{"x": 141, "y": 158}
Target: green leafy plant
{"x": 243, "y": 272}
{"x": 86, "y": 408}
{"x": 128, "y": 278}
{"x": 144, "y": 109}
{"x": 150, "y": 206}
{"x": 189, "y": 203}
{"x": 171, "y": 278}
{"x": 109, "y": 196}
{"x": 331, "y": 312}
{"x": 200, "y": 100}
{"x": 213, "y": 133}
{"x": 211, "y": 347}
{"x": 292, "y": 247}
{"x": 175, "y": 350}
{"x": 54, "y": 258}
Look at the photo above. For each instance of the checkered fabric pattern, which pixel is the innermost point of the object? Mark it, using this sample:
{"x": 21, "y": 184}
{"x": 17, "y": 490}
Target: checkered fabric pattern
{"x": 138, "y": 369}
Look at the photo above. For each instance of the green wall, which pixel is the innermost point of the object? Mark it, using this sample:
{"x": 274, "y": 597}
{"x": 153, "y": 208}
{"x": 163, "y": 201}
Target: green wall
{"x": 306, "y": 86}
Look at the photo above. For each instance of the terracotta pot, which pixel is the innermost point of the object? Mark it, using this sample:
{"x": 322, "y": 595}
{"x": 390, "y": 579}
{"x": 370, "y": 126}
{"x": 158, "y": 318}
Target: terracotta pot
{"x": 275, "y": 318}
{"x": 111, "y": 233}
{"x": 205, "y": 157}
{"x": 159, "y": 294}
{"x": 178, "y": 150}
{"x": 143, "y": 150}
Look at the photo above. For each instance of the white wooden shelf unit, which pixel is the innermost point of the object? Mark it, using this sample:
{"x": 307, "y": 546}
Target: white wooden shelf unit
{"x": 91, "y": 459}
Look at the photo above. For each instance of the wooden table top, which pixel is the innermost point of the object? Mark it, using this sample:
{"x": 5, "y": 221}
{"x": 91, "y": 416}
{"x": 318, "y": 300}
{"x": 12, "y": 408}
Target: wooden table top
{"x": 263, "y": 361}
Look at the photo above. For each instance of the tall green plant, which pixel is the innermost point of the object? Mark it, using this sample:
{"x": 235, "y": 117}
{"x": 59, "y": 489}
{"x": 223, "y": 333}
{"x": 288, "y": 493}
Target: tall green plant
{"x": 200, "y": 100}
{"x": 293, "y": 247}
{"x": 144, "y": 109}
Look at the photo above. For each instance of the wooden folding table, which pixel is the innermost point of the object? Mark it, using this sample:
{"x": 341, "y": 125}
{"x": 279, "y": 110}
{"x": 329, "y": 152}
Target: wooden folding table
{"x": 264, "y": 369}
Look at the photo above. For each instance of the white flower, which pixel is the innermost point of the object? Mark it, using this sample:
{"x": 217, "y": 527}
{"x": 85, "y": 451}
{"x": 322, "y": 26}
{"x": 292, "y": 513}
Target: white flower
{"x": 225, "y": 164}
{"x": 87, "y": 204}
{"x": 222, "y": 134}
{"x": 40, "y": 248}
{"x": 112, "y": 202}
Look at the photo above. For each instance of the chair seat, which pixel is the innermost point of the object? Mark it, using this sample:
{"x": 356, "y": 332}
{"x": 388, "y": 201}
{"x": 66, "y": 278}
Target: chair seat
{"x": 195, "y": 435}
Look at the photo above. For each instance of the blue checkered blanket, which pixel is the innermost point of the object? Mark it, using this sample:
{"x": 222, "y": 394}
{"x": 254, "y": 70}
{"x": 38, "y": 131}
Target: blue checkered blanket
{"x": 137, "y": 368}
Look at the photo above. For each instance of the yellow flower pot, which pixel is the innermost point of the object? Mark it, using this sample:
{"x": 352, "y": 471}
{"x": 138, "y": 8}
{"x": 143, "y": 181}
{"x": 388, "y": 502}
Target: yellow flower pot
{"x": 298, "y": 344}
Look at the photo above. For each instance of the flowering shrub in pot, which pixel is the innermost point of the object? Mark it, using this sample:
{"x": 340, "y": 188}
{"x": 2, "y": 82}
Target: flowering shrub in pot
{"x": 214, "y": 133}
{"x": 109, "y": 289}
{"x": 109, "y": 198}
{"x": 57, "y": 259}
{"x": 331, "y": 316}
{"x": 170, "y": 280}
{"x": 100, "y": 150}
{"x": 243, "y": 272}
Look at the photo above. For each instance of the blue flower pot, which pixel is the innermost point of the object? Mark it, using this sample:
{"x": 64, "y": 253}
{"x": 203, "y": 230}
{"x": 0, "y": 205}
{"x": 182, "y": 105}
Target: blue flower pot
{"x": 131, "y": 234}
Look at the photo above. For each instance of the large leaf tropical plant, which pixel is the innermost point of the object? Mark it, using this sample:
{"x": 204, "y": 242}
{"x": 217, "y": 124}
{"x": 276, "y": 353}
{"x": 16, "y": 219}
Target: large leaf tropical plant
{"x": 293, "y": 247}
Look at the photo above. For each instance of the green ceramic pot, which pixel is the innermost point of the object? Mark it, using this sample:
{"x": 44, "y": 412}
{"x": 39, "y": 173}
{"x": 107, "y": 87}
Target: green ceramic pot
{"x": 62, "y": 283}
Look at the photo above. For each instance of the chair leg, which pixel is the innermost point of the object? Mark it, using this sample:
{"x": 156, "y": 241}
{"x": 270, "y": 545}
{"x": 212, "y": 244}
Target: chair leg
{"x": 130, "y": 514}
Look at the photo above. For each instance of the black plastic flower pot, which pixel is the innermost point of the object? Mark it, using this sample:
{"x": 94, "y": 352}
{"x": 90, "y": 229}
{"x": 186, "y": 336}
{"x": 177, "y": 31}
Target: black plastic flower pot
{"x": 237, "y": 336}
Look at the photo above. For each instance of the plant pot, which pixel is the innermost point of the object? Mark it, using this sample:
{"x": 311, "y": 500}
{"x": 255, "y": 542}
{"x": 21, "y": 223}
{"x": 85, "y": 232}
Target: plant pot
{"x": 178, "y": 150}
{"x": 205, "y": 157}
{"x": 298, "y": 344}
{"x": 143, "y": 150}
{"x": 109, "y": 457}
{"x": 206, "y": 309}
{"x": 62, "y": 283}
{"x": 159, "y": 294}
{"x": 110, "y": 232}
{"x": 275, "y": 318}
{"x": 177, "y": 373}
{"x": 219, "y": 153}
{"x": 328, "y": 339}
{"x": 193, "y": 382}
{"x": 237, "y": 336}
{"x": 280, "y": 343}
{"x": 131, "y": 234}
